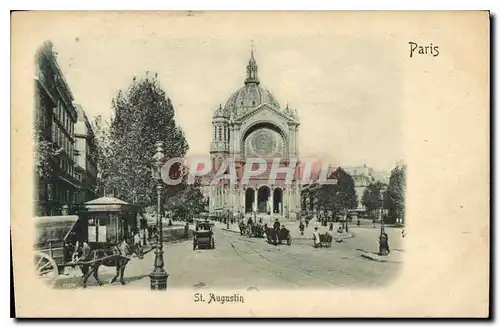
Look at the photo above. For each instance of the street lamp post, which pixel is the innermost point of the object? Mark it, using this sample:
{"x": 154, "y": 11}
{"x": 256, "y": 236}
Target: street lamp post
{"x": 381, "y": 210}
{"x": 346, "y": 222}
{"x": 159, "y": 276}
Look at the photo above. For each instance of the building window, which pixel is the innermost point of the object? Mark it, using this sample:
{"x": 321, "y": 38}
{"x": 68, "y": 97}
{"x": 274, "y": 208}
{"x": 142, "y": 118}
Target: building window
{"x": 220, "y": 133}
{"x": 225, "y": 134}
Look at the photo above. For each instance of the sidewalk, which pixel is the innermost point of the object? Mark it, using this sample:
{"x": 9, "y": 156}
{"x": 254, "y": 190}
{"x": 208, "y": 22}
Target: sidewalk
{"x": 395, "y": 256}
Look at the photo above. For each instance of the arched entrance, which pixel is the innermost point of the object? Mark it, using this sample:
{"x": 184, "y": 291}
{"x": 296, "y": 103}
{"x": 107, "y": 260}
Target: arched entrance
{"x": 278, "y": 201}
{"x": 263, "y": 195}
{"x": 249, "y": 200}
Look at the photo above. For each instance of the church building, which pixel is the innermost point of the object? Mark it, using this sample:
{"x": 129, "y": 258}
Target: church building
{"x": 251, "y": 124}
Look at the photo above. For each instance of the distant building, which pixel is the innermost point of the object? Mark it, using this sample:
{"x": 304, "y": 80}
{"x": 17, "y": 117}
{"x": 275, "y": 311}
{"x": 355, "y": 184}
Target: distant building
{"x": 55, "y": 117}
{"x": 363, "y": 176}
{"x": 85, "y": 158}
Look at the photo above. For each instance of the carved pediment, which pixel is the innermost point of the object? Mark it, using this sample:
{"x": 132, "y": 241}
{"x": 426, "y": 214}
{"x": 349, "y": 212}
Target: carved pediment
{"x": 266, "y": 112}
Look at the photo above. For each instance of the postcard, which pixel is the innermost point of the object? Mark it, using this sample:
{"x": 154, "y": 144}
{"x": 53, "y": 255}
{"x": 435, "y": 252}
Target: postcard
{"x": 251, "y": 164}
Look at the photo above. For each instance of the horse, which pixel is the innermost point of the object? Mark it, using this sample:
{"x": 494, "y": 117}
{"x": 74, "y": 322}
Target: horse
{"x": 271, "y": 234}
{"x": 243, "y": 228}
{"x": 98, "y": 257}
{"x": 284, "y": 235}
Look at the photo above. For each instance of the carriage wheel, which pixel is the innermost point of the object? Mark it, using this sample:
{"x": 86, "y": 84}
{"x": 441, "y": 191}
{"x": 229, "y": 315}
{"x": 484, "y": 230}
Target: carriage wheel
{"x": 289, "y": 241}
{"x": 46, "y": 267}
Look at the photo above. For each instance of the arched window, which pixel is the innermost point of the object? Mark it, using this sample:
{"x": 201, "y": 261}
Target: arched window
{"x": 225, "y": 133}
{"x": 220, "y": 133}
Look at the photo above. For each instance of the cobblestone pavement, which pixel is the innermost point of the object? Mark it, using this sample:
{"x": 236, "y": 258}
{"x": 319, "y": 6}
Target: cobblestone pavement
{"x": 241, "y": 262}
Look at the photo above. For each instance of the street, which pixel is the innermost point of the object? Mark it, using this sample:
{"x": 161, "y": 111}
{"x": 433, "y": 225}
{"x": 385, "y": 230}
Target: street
{"x": 251, "y": 263}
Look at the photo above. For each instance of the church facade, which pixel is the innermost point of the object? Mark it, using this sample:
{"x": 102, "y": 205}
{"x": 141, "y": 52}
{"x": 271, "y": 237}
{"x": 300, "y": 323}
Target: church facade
{"x": 251, "y": 124}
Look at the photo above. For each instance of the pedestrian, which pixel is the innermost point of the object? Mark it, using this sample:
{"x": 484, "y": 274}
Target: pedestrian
{"x": 81, "y": 253}
{"x": 137, "y": 239}
{"x": 301, "y": 228}
{"x": 69, "y": 246}
{"x": 316, "y": 238}
{"x": 383, "y": 243}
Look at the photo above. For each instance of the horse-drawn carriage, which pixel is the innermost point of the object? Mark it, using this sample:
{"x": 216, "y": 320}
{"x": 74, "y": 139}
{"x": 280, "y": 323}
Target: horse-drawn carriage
{"x": 325, "y": 240}
{"x": 251, "y": 229}
{"x": 203, "y": 236}
{"x": 56, "y": 249}
{"x": 278, "y": 235}
{"x": 95, "y": 238}
{"x": 52, "y": 245}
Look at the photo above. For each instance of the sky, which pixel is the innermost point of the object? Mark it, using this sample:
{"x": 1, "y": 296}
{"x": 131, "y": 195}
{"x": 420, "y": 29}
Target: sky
{"x": 347, "y": 89}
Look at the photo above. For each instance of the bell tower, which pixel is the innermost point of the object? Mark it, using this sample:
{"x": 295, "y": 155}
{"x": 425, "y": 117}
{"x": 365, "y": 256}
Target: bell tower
{"x": 219, "y": 151}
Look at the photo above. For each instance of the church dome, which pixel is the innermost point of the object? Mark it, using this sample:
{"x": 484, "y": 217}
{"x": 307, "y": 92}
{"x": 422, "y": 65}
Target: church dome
{"x": 249, "y": 96}
{"x": 221, "y": 112}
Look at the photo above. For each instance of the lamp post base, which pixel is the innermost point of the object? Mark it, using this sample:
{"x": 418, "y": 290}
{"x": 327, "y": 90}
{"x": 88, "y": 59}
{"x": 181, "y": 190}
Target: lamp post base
{"x": 158, "y": 279}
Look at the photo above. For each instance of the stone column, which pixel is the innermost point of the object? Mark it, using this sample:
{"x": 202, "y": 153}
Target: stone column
{"x": 211, "y": 199}
{"x": 255, "y": 200}
{"x": 242, "y": 199}
{"x": 289, "y": 202}
{"x": 271, "y": 199}
{"x": 291, "y": 141}
{"x": 297, "y": 141}
{"x": 231, "y": 140}
{"x": 296, "y": 202}
{"x": 236, "y": 141}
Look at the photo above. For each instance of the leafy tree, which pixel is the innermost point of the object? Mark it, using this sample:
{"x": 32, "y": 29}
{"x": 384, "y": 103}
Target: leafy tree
{"x": 143, "y": 116}
{"x": 193, "y": 198}
{"x": 44, "y": 151}
{"x": 326, "y": 196}
{"x": 372, "y": 199}
{"x": 101, "y": 129}
{"x": 188, "y": 201}
{"x": 340, "y": 196}
{"x": 345, "y": 197}
{"x": 394, "y": 199}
